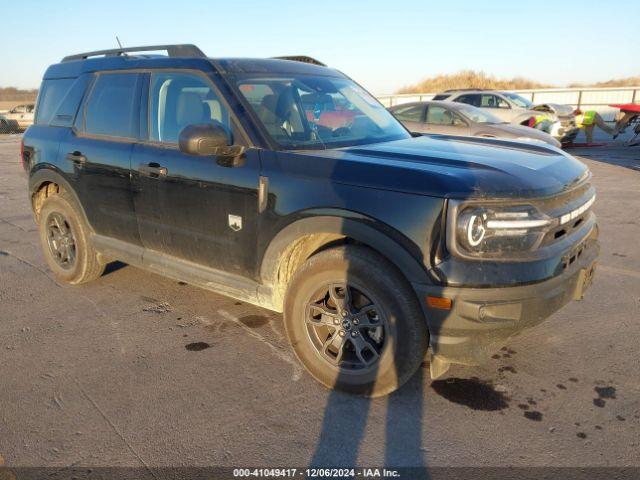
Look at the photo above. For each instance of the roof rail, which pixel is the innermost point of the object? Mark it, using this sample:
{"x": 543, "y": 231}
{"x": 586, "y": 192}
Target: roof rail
{"x": 184, "y": 50}
{"x": 303, "y": 59}
{"x": 469, "y": 89}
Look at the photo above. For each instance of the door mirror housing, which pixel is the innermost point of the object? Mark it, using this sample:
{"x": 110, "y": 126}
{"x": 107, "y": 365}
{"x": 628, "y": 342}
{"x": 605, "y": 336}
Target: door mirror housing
{"x": 458, "y": 122}
{"x": 206, "y": 140}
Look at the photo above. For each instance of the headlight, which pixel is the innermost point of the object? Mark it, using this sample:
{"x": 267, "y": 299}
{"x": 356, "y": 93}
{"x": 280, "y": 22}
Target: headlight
{"x": 516, "y": 230}
{"x": 498, "y": 231}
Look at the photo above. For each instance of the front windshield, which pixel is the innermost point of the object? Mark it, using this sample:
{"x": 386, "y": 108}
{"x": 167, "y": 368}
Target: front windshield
{"x": 476, "y": 115}
{"x": 518, "y": 100}
{"x": 306, "y": 112}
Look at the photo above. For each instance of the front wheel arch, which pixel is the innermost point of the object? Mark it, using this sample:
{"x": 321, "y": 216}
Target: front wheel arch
{"x": 297, "y": 242}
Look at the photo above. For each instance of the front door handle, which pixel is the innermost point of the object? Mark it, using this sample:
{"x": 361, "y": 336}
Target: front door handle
{"x": 76, "y": 157}
{"x": 153, "y": 169}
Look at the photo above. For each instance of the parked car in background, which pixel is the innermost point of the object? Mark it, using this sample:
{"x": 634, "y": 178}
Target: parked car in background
{"x": 22, "y": 115}
{"x": 450, "y": 118}
{"x": 516, "y": 109}
{"x": 7, "y": 125}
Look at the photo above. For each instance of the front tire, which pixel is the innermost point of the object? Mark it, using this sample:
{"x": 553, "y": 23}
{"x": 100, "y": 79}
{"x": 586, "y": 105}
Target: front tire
{"x": 64, "y": 236}
{"x": 354, "y": 321}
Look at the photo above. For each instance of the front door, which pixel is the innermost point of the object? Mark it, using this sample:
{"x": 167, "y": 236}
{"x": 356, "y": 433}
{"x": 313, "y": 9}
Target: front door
{"x": 496, "y": 106}
{"x": 444, "y": 121}
{"x": 190, "y": 207}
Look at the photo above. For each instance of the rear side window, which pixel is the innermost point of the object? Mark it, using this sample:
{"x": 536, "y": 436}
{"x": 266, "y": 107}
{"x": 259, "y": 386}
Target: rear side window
{"x": 112, "y": 108}
{"x": 469, "y": 99}
{"x": 51, "y": 94}
{"x": 441, "y": 96}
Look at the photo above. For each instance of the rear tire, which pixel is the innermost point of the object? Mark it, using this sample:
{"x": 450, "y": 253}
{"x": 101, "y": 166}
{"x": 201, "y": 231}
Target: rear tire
{"x": 66, "y": 245}
{"x": 368, "y": 338}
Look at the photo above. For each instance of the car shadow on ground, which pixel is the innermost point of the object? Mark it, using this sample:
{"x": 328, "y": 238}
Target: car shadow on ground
{"x": 113, "y": 267}
{"x": 345, "y": 421}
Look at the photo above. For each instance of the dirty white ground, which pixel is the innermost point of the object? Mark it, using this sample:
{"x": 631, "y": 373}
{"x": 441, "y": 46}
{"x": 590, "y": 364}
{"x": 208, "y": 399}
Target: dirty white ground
{"x": 104, "y": 374}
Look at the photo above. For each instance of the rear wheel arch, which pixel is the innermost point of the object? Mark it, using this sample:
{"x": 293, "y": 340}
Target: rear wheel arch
{"x": 299, "y": 241}
{"x": 46, "y": 182}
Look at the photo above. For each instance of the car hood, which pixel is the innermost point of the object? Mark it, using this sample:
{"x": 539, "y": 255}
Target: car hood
{"x": 557, "y": 108}
{"x": 520, "y": 131}
{"x": 447, "y": 166}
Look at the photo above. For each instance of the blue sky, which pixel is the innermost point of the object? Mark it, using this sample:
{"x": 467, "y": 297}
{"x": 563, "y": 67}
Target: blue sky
{"x": 384, "y": 45}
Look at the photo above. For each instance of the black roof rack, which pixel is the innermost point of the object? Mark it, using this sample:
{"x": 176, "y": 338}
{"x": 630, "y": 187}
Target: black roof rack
{"x": 303, "y": 59}
{"x": 184, "y": 50}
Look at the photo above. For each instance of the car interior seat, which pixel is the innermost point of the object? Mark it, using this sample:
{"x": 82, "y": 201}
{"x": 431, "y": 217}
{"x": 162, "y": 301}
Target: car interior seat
{"x": 447, "y": 118}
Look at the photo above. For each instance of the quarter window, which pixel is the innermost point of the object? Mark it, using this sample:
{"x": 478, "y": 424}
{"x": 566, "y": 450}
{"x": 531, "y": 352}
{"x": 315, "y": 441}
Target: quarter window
{"x": 112, "y": 107}
{"x": 51, "y": 94}
{"x": 179, "y": 100}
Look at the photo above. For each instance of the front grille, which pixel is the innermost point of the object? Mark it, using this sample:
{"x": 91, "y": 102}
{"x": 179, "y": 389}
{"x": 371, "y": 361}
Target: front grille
{"x": 570, "y": 210}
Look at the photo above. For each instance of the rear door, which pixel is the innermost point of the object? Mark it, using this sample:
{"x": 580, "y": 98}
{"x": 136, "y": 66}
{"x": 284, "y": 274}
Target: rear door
{"x": 98, "y": 153}
{"x": 191, "y": 207}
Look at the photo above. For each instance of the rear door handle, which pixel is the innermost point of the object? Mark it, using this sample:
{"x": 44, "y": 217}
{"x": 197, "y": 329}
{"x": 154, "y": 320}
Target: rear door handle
{"x": 153, "y": 170}
{"x": 76, "y": 157}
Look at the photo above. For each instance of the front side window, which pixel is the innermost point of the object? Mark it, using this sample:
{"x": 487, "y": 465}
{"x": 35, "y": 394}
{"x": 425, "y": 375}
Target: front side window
{"x": 307, "y": 112}
{"x": 518, "y": 100}
{"x": 493, "y": 101}
{"x": 410, "y": 113}
{"x": 180, "y": 99}
{"x": 477, "y": 115}
{"x": 439, "y": 116}
{"x": 112, "y": 107}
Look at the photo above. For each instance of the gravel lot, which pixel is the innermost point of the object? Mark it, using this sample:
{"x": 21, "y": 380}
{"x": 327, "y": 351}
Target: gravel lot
{"x": 139, "y": 370}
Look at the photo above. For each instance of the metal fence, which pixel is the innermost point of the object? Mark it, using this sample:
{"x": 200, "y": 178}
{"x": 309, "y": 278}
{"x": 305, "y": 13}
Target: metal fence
{"x": 598, "y": 99}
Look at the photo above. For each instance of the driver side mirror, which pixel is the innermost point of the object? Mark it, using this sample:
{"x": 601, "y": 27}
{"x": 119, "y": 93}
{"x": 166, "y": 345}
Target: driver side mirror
{"x": 458, "y": 122}
{"x": 205, "y": 140}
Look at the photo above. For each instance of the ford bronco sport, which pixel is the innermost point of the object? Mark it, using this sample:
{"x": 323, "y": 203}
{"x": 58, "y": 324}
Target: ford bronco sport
{"x": 283, "y": 183}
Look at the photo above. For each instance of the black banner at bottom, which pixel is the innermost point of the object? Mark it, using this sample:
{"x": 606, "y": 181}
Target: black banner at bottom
{"x": 365, "y": 473}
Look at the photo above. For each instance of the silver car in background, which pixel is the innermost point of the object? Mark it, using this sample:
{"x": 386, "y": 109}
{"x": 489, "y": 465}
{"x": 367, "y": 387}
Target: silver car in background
{"x": 22, "y": 115}
{"x": 450, "y": 118}
{"x": 514, "y": 108}
{"x": 8, "y": 125}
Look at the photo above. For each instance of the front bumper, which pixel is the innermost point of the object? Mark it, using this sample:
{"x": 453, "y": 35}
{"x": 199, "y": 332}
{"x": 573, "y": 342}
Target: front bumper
{"x": 481, "y": 320}
{"x": 568, "y": 130}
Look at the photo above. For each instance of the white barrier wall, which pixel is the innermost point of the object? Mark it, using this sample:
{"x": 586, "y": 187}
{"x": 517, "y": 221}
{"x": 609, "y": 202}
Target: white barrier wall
{"x": 597, "y": 99}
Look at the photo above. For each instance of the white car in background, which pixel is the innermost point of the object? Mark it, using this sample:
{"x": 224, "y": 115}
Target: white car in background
{"x": 22, "y": 115}
{"x": 7, "y": 125}
{"x": 513, "y": 108}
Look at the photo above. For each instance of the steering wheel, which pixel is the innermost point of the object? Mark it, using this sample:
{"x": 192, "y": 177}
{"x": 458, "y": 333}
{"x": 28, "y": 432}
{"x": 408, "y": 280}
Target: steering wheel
{"x": 341, "y": 132}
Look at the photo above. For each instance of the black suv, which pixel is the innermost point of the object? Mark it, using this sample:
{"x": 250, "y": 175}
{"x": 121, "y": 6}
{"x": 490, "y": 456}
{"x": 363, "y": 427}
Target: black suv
{"x": 283, "y": 183}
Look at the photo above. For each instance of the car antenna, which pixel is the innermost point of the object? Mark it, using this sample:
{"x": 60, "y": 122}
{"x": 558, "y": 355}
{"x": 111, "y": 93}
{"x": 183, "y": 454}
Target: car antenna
{"x": 121, "y": 47}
